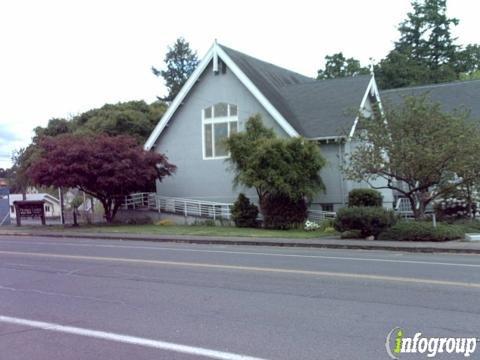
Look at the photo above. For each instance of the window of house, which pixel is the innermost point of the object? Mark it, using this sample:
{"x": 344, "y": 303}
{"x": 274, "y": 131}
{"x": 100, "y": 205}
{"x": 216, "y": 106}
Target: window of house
{"x": 47, "y": 208}
{"x": 327, "y": 207}
{"x": 219, "y": 121}
{"x": 12, "y": 209}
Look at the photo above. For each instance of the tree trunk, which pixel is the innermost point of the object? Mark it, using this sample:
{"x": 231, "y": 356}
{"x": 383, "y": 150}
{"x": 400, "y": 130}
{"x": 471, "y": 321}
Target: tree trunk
{"x": 261, "y": 199}
{"x": 107, "y": 208}
{"x": 116, "y": 206}
{"x": 419, "y": 212}
{"x": 418, "y": 208}
{"x": 422, "y": 201}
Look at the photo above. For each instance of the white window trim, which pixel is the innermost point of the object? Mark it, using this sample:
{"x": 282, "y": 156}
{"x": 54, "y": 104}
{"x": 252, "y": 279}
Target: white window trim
{"x": 213, "y": 120}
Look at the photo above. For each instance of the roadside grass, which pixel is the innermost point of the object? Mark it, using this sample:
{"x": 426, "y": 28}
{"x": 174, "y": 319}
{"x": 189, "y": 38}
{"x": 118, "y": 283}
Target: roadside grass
{"x": 203, "y": 230}
{"x": 194, "y": 230}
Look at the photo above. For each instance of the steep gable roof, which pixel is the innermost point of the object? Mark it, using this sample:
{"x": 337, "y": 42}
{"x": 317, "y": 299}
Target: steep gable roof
{"x": 300, "y": 104}
{"x": 451, "y": 96}
{"x": 315, "y": 108}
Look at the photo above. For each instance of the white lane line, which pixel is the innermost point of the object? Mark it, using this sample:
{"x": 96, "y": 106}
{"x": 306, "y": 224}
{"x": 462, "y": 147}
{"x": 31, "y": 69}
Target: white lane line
{"x": 343, "y": 258}
{"x": 133, "y": 340}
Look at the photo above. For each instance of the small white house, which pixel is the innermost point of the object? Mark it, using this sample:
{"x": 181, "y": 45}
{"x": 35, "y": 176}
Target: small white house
{"x": 51, "y": 206}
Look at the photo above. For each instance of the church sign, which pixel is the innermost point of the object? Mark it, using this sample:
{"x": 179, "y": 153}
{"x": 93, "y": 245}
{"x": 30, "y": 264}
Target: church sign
{"x": 29, "y": 209}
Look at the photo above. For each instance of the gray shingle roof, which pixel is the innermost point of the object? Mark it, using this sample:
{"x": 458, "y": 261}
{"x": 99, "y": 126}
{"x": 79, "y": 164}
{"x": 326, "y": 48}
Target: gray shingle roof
{"x": 454, "y": 95}
{"x": 315, "y": 108}
{"x": 326, "y": 108}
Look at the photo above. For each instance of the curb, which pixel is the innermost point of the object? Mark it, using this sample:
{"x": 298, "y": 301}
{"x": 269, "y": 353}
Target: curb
{"x": 227, "y": 241}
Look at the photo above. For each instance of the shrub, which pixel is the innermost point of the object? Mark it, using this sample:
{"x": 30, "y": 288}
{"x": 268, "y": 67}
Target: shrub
{"x": 422, "y": 231}
{"x": 351, "y": 234}
{"x": 368, "y": 220}
{"x": 244, "y": 213}
{"x": 282, "y": 212}
{"x": 364, "y": 197}
{"x": 453, "y": 209}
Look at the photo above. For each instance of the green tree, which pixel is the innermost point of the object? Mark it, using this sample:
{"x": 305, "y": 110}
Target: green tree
{"x": 418, "y": 150}
{"x": 19, "y": 180}
{"x": 426, "y": 51}
{"x": 272, "y": 165}
{"x": 55, "y": 127}
{"x": 133, "y": 118}
{"x": 426, "y": 34}
{"x": 467, "y": 62}
{"x": 4, "y": 173}
{"x": 400, "y": 70}
{"x": 180, "y": 62}
{"x": 337, "y": 66}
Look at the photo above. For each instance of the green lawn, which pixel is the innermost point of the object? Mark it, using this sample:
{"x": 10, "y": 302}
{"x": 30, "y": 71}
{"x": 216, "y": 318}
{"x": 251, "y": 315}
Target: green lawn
{"x": 200, "y": 230}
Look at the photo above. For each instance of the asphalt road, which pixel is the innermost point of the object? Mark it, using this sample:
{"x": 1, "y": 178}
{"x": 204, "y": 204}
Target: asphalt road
{"x": 142, "y": 300}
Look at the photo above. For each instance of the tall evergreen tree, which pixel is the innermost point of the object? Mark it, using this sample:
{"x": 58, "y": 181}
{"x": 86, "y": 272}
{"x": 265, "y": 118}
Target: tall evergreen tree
{"x": 180, "y": 62}
{"x": 426, "y": 50}
{"x": 426, "y": 34}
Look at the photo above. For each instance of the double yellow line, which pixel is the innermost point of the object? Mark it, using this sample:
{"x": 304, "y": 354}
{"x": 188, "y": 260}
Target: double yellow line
{"x": 246, "y": 268}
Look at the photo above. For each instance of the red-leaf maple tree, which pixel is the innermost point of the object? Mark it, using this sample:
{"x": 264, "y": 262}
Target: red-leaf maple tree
{"x": 105, "y": 167}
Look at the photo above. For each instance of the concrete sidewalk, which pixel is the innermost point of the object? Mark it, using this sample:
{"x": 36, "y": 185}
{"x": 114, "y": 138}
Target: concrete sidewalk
{"x": 460, "y": 247}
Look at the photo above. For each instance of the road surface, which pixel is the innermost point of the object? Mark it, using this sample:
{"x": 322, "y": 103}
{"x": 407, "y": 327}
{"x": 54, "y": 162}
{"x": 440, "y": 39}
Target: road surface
{"x": 101, "y": 299}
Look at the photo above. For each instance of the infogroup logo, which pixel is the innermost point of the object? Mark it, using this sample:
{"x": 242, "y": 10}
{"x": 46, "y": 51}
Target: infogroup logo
{"x": 397, "y": 343}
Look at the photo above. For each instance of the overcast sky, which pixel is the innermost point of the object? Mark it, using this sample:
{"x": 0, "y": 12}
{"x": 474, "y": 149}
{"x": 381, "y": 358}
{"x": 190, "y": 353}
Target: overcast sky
{"x": 59, "y": 58}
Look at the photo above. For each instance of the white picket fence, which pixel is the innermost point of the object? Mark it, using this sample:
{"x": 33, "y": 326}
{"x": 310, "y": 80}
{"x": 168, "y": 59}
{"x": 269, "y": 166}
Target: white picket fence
{"x": 197, "y": 208}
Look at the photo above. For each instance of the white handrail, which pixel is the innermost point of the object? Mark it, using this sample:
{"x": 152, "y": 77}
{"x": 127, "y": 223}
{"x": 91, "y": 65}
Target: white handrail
{"x": 320, "y": 215}
{"x": 198, "y": 208}
{"x": 403, "y": 207}
{"x": 180, "y": 206}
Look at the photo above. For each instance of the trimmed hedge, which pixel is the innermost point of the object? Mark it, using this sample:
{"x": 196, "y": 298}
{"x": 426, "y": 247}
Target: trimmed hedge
{"x": 368, "y": 220}
{"x": 281, "y": 212}
{"x": 364, "y": 197}
{"x": 244, "y": 213}
{"x": 422, "y": 231}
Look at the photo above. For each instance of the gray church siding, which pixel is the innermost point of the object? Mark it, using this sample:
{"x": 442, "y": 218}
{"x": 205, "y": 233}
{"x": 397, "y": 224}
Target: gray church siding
{"x": 211, "y": 179}
{"x": 334, "y": 194}
{"x": 181, "y": 140}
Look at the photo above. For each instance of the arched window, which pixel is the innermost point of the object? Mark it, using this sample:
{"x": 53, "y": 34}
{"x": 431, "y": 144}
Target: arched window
{"x": 219, "y": 121}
